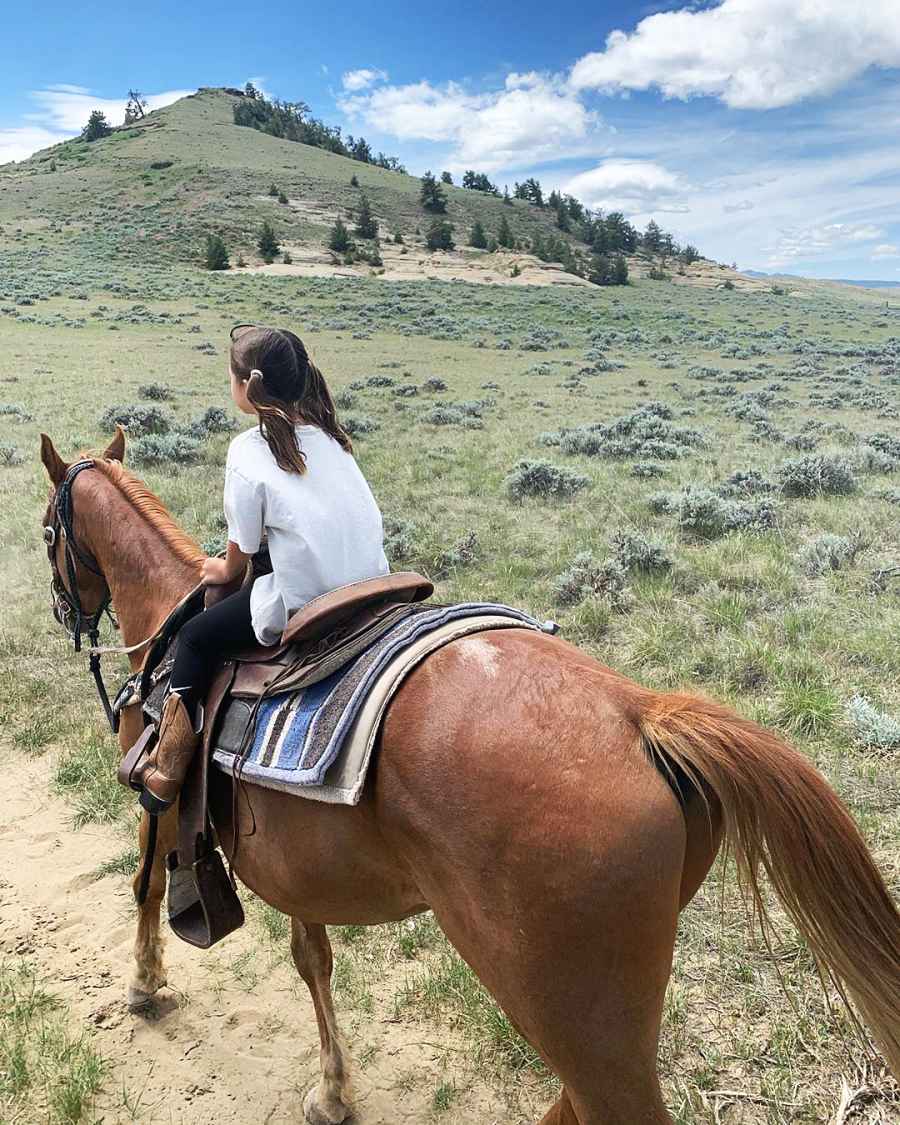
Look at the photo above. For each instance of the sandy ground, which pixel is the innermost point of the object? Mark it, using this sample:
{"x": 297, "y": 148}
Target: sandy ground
{"x": 226, "y": 1042}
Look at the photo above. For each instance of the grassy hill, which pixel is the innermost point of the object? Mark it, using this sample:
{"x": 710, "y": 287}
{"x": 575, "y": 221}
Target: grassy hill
{"x": 153, "y": 190}
{"x": 709, "y": 498}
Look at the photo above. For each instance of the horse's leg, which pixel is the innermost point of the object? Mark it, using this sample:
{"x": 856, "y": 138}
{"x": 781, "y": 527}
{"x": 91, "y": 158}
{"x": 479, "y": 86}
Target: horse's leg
{"x": 325, "y": 1103}
{"x": 561, "y": 1112}
{"x": 149, "y": 974}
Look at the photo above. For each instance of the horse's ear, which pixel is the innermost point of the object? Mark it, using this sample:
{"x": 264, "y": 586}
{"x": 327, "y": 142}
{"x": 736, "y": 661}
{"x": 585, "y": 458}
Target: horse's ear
{"x": 53, "y": 463}
{"x": 115, "y": 451}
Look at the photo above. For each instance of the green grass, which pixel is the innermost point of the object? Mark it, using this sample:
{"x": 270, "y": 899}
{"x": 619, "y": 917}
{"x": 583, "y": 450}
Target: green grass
{"x": 110, "y": 309}
{"x": 46, "y": 1072}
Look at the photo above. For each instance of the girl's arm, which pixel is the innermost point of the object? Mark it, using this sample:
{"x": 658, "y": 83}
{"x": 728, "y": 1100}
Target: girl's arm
{"x": 219, "y": 572}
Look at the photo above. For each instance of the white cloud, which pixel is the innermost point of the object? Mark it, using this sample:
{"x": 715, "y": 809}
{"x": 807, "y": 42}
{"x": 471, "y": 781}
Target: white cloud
{"x": 62, "y": 112}
{"x": 67, "y": 108}
{"x": 803, "y": 243}
{"x": 534, "y": 118}
{"x": 753, "y": 54}
{"x": 632, "y": 186}
{"x": 354, "y": 80}
{"x": 741, "y": 205}
{"x": 886, "y": 250}
{"x": 20, "y": 142}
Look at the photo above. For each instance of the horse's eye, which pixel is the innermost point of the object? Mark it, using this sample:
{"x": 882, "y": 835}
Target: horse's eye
{"x": 49, "y": 536}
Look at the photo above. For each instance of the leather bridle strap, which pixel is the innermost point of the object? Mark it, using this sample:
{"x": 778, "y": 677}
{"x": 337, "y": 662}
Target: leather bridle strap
{"x": 67, "y": 607}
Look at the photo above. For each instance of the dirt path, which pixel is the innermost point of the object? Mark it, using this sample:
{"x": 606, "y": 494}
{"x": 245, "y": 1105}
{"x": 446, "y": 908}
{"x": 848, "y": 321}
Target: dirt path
{"x": 234, "y": 1038}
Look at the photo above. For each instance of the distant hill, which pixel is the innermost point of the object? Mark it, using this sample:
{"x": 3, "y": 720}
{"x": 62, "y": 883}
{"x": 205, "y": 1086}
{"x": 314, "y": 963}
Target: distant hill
{"x": 837, "y": 280}
{"x": 151, "y": 192}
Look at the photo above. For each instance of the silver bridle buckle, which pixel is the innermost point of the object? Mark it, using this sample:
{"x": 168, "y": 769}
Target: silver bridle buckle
{"x": 50, "y": 536}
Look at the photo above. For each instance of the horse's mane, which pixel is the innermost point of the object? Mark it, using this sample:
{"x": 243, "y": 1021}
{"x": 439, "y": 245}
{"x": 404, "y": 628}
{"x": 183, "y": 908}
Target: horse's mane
{"x": 152, "y": 509}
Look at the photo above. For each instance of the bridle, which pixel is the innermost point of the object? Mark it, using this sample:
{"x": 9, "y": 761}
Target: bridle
{"x": 65, "y": 598}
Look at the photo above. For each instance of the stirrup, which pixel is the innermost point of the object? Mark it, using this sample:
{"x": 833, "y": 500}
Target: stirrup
{"x": 203, "y": 904}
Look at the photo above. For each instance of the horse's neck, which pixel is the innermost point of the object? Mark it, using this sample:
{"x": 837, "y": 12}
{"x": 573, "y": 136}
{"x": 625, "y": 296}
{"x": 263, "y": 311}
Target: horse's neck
{"x": 146, "y": 578}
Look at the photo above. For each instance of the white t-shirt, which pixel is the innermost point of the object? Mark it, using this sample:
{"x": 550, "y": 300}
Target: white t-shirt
{"x": 324, "y": 527}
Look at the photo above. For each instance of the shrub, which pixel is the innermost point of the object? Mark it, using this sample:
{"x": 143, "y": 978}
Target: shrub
{"x": 157, "y": 449}
{"x": 399, "y": 539}
{"x": 872, "y": 729}
{"x": 138, "y": 418}
{"x": 830, "y": 552}
{"x": 451, "y": 415}
{"x": 748, "y": 482}
{"x": 818, "y": 475}
{"x": 462, "y": 553}
{"x": 543, "y": 479}
{"x": 434, "y": 384}
{"x": 586, "y": 577}
{"x": 9, "y": 454}
{"x": 634, "y": 552}
{"x": 648, "y": 469}
{"x": 159, "y": 392}
{"x": 358, "y": 424}
{"x": 274, "y": 191}
{"x": 344, "y": 399}
{"x": 282, "y": 198}
{"x": 15, "y": 410}
{"x": 705, "y": 513}
{"x": 214, "y": 420}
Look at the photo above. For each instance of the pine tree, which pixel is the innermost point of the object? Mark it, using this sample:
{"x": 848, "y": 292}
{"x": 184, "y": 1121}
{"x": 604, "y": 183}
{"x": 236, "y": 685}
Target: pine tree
{"x": 600, "y": 271}
{"x": 267, "y": 245}
{"x": 366, "y": 223}
{"x": 652, "y": 239}
{"x": 620, "y": 271}
{"x": 339, "y": 237}
{"x": 477, "y": 237}
{"x": 97, "y": 126}
{"x": 354, "y": 182}
{"x": 135, "y": 107}
{"x": 446, "y": 178}
{"x": 440, "y": 235}
{"x": 690, "y": 254}
{"x": 505, "y": 235}
{"x": 216, "y": 253}
{"x": 433, "y": 197}
{"x": 507, "y": 198}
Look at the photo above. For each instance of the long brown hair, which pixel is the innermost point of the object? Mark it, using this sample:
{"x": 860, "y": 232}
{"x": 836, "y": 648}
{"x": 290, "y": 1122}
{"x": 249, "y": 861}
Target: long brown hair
{"x": 282, "y": 384}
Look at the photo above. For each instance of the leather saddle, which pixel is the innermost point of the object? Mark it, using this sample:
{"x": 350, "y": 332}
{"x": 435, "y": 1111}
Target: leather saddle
{"x": 318, "y": 639}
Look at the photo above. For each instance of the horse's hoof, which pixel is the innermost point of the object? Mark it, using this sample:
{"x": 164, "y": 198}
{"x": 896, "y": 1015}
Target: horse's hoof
{"x": 138, "y": 998}
{"x": 316, "y": 1114}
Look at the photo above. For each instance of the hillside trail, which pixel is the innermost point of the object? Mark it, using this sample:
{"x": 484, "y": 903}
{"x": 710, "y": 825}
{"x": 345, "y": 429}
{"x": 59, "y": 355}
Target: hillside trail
{"x": 233, "y": 1039}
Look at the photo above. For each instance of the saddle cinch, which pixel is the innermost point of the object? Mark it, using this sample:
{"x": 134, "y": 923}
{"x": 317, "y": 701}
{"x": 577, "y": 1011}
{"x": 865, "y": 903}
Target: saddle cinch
{"x": 320, "y": 638}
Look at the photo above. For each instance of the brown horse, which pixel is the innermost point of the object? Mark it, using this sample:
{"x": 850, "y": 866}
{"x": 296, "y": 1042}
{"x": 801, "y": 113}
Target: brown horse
{"x": 526, "y": 795}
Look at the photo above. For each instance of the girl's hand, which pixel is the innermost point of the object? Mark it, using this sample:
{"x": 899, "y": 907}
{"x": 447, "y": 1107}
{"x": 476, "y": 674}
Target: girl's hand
{"x": 215, "y": 573}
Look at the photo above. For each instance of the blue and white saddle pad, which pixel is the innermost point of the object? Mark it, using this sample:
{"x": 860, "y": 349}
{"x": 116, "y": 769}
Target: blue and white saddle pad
{"x": 317, "y": 741}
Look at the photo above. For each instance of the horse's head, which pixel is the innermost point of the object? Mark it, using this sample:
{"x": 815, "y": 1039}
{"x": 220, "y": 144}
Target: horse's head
{"x": 78, "y": 587}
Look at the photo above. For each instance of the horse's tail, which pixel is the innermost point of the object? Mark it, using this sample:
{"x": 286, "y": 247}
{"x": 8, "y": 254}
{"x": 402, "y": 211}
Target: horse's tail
{"x": 780, "y": 815}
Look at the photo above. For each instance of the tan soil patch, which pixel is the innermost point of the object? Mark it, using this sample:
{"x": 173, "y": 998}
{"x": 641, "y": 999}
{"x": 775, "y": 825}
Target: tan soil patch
{"x": 234, "y": 1039}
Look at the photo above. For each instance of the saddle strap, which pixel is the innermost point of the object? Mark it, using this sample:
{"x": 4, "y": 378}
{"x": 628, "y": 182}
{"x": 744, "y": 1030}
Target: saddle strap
{"x": 193, "y": 806}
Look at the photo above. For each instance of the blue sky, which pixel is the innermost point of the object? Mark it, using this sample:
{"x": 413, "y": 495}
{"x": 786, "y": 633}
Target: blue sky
{"x": 765, "y": 131}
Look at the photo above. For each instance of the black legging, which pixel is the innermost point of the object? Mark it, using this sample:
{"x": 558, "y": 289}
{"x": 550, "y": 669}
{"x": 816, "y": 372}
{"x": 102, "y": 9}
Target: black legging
{"x": 205, "y": 641}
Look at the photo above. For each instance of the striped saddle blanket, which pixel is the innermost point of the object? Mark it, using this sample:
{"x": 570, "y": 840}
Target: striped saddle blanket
{"x": 317, "y": 741}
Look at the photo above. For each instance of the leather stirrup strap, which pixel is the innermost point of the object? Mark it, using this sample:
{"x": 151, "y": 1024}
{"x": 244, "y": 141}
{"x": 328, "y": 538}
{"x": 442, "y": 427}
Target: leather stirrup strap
{"x": 203, "y": 904}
